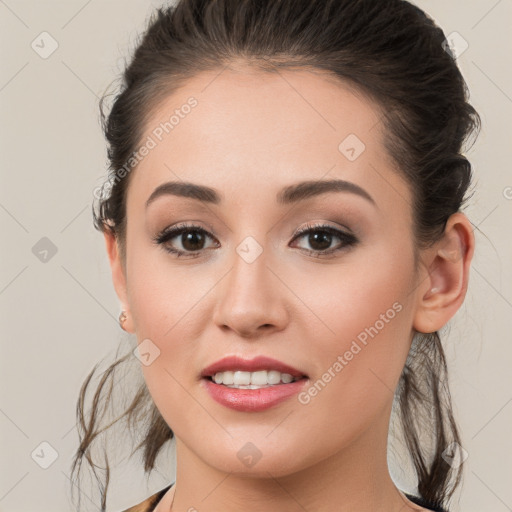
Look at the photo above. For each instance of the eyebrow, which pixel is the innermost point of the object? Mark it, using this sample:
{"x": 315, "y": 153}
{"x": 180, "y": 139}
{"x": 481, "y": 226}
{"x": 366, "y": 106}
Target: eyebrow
{"x": 289, "y": 194}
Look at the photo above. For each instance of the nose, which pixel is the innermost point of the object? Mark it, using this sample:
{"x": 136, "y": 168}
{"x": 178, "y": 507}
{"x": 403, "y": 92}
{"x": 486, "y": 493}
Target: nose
{"x": 251, "y": 299}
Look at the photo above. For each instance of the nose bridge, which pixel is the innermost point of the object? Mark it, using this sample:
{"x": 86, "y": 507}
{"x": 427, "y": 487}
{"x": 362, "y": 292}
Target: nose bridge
{"x": 250, "y": 262}
{"x": 250, "y": 279}
{"x": 250, "y": 296}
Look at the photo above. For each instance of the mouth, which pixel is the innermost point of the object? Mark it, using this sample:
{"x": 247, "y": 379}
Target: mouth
{"x": 252, "y": 380}
{"x": 251, "y": 386}
{"x": 261, "y": 372}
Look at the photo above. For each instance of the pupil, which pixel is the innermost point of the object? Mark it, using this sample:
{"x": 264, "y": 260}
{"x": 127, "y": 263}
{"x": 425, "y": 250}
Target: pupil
{"x": 319, "y": 240}
{"x": 192, "y": 238}
{"x": 315, "y": 239}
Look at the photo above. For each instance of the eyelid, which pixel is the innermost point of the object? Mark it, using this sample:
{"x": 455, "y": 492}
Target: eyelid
{"x": 323, "y": 225}
{"x": 347, "y": 239}
{"x": 191, "y": 225}
{"x": 187, "y": 224}
{"x": 176, "y": 229}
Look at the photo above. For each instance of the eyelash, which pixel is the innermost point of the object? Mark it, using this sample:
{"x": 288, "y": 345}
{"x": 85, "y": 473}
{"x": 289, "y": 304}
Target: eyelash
{"x": 348, "y": 240}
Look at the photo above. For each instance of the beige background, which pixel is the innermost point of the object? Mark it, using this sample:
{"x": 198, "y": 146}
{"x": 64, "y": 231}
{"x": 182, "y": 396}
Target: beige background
{"x": 59, "y": 317}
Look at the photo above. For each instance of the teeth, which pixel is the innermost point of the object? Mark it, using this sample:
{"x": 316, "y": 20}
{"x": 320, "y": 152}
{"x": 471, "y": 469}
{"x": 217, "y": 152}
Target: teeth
{"x": 252, "y": 380}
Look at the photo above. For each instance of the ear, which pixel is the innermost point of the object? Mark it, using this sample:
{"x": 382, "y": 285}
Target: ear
{"x": 118, "y": 276}
{"x": 443, "y": 288}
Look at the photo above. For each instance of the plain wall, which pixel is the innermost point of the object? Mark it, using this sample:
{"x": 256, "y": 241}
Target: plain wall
{"x": 59, "y": 316}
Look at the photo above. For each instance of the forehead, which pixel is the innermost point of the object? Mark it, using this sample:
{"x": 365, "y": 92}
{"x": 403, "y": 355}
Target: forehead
{"x": 251, "y": 132}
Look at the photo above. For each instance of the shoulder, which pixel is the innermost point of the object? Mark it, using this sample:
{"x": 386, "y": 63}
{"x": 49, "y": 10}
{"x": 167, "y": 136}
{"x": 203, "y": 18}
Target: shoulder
{"x": 143, "y": 506}
{"x": 150, "y": 503}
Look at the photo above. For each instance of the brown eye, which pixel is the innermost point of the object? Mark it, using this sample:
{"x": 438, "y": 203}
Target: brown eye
{"x": 320, "y": 237}
{"x": 190, "y": 239}
{"x": 320, "y": 240}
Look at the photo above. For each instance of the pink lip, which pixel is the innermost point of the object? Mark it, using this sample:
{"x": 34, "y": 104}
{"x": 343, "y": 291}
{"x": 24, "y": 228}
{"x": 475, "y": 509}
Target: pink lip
{"x": 251, "y": 400}
{"x": 232, "y": 363}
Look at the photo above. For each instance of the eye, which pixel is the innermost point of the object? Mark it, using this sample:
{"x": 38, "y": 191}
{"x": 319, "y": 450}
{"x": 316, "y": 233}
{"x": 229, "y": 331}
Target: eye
{"x": 192, "y": 240}
{"x": 320, "y": 238}
{"x": 190, "y": 236}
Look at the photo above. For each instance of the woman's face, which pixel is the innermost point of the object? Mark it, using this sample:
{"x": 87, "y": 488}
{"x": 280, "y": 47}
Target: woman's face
{"x": 252, "y": 287}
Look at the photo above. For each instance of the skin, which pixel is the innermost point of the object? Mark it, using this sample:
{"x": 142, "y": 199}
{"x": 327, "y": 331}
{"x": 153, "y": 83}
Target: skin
{"x": 251, "y": 134}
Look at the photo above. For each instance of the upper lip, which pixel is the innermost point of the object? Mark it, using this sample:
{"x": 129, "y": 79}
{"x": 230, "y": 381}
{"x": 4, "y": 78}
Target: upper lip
{"x": 233, "y": 363}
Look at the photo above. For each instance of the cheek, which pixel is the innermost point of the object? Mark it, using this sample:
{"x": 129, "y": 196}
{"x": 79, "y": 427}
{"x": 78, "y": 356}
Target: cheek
{"x": 166, "y": 323}
{"x": 160, "y": 294}
{"x": 367, "y": 288}
{"x": 358, "y": 379}
{"x": 367, "y": 308}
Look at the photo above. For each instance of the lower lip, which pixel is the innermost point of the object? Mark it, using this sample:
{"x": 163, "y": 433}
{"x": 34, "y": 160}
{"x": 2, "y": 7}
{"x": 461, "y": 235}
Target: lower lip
{"x": 252, "y": 400}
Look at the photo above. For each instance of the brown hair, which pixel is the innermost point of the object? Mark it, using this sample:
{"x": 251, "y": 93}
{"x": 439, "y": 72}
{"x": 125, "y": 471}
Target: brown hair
{"x": 392, "y": 52}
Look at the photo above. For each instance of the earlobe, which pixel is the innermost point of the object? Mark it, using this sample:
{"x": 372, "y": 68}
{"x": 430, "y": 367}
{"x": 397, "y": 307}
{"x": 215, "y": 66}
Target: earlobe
{"x": 118, "y": 277}
{"x": 443, "y": 289}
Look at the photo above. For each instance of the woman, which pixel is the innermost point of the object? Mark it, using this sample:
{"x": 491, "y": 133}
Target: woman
{"x": 284, "y": 228}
